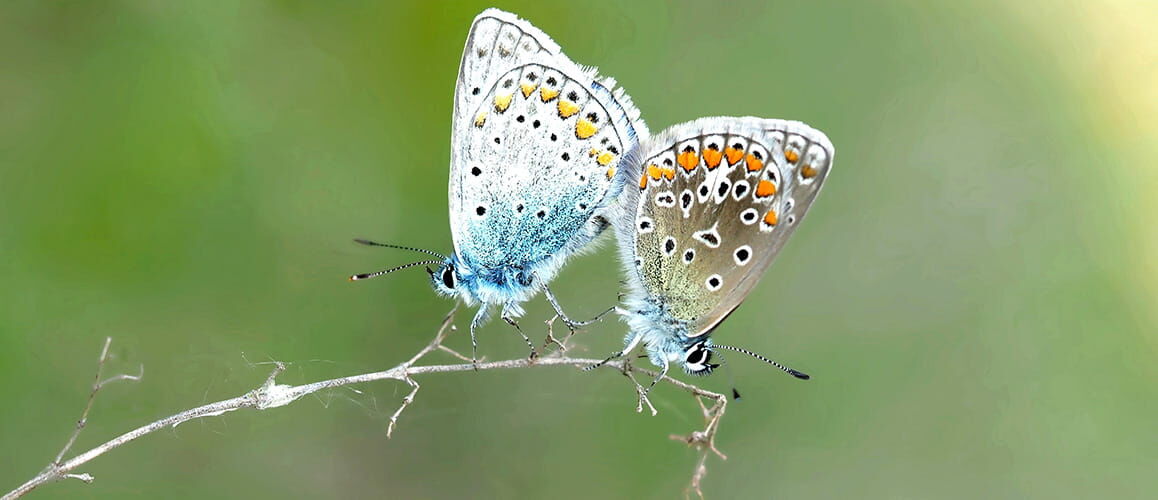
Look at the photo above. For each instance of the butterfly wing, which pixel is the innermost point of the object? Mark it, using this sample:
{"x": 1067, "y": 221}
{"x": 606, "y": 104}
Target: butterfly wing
{"x": 716, "y": 201}
{"x": 535, "y": 144}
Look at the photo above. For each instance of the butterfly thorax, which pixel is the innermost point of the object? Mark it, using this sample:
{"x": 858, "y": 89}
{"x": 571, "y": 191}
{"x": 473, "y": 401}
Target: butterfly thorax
{"x": 665, "y": 337}
{"x": 506, "y": 285}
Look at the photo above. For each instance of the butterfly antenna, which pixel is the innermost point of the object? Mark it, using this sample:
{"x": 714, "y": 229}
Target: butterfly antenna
{"x": 385, "y": 245}
{"x": 358, "y": 277}
{"x": 794, "y": 373}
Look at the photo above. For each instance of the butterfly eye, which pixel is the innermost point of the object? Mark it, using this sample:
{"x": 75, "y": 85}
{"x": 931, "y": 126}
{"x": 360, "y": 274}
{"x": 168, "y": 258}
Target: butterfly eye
{"x": 697, "y": 360}
{"x": 448, "y": 277}
{"x": 696, "y": 356}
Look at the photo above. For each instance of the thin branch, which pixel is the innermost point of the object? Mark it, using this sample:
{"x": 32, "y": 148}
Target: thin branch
{"x": 272, "y": 395}
{"x": 705, "y": 440}
{"x": 97, "y": 384}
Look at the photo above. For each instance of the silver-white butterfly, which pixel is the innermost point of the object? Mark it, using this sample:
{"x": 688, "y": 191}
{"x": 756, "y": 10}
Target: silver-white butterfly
{"x": 535, "y": 146}
{"x": 711, "y": 203}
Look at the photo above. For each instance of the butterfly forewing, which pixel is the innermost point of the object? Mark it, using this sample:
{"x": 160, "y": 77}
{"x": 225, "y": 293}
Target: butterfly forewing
{"x": 497, "y": 42}
{"x": 537, "y": 140}
{"x": 717, "y": 200}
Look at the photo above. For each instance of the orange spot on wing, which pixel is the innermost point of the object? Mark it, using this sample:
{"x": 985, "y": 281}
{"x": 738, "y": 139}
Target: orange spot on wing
{"x": 527, "y": 89}
{"x": 733, "y": 155}
{"x": 546, "y": 94}
{"x": 654, "y": 172}
{"x": 808, "y": 171}
{"x": 712, "y": 158}
{"x": 643, "y": 182}
{"x": 754, "y": 164}
{"x": 771, "y": 218}
{"x": 611, "y": 173}
{"x": 791, "y": 156}
{"x": 480, "y": 119}
{"x": 567, "y": 108}
{"x": 765, "y": 188}
{"x": 502, "y": 102}
{"x": 668, "y": 173}
{"x": 688, "y": 160}
{"x": 584, "y": 128}
{"x": 604, "y": 158}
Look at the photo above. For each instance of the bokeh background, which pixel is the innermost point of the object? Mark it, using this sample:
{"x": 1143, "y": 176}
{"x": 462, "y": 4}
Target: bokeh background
{"x": 974, "y": 292}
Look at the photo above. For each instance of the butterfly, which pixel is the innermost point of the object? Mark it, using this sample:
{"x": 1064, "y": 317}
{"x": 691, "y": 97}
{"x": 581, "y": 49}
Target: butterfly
{"x": 716, "y": 200}
{"x": 536, "y": 143}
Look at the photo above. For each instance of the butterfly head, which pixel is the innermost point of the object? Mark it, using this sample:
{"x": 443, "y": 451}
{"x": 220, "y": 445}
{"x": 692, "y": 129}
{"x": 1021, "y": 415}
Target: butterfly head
{"x": 448, "y": 279}
{"x": 451, "y": 278}
{"x": 697, "y": 358}
{"x": 668, "y": 343}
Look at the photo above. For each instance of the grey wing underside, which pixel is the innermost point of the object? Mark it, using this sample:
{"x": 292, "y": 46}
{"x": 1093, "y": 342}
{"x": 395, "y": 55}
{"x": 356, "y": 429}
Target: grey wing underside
{"x": 536, "y": 141}
{"x": 497, "y": 41}
{"x": 728, "y": 195}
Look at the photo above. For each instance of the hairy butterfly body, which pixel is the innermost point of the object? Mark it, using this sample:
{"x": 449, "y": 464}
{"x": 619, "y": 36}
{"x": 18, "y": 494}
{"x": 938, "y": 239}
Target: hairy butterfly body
{"x": 712, "y": 203}
{"x": 535, "y": 146}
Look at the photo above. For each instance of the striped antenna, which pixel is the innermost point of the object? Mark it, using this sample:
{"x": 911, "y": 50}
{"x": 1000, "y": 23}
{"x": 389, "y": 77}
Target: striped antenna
{"x": 358, "y": 277}
{"x": 412, "y": 249}
{"x": 794, "y": 373}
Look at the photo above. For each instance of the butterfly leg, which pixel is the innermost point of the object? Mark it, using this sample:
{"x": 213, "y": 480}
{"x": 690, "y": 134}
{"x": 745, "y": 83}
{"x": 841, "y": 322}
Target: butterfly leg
{"x": 643, "y": 400}
{"x": 511, "y": 321}
{"x": 478, "y": 320}
{"x": 630, "y": 345}
{"x": 572, "y": 324}
{"x": 662, "y": 374}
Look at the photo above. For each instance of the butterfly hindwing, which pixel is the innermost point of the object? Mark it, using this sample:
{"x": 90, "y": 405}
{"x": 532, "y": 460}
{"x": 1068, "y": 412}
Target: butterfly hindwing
{"x": 716, "y": 200}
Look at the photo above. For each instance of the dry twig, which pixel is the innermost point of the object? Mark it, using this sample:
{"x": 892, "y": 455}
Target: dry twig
{"x": 272, "y": 395}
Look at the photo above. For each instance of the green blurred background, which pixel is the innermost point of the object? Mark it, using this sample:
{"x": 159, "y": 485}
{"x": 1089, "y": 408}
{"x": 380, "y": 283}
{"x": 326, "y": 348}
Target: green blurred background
{"x": 974, "y": 292}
